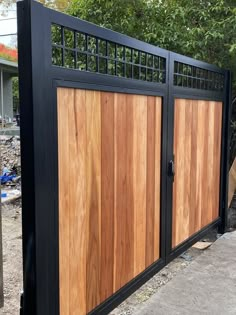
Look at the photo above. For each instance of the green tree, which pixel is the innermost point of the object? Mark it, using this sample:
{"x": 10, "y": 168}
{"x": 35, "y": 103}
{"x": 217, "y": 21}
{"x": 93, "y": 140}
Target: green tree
{"x": 203, "y": 29}
{"x": 60, "y": 5}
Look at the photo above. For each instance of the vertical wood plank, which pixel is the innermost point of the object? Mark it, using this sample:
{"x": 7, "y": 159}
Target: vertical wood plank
{"x": 194, "y": 202}
{"x": 157, "y": 174}
{"x": 204, "y": 158}
{"x": 121, "y": 269}
{"x": 211, "y": 189}
{"x": 63, "y": 97}
{"x": 93, "y": 123}
{"x": 107, "y": 221}
{"x": 139, "y": 175}
{"x": 187, "y": 169}
{"x": 199, "y": 162}
{"x": 77, "y": 202}
{"x": 150, "y": 202}
{"x": 179, "y": 186}
{"x": 128, "y": 259}
{"x": 217, "y": 156}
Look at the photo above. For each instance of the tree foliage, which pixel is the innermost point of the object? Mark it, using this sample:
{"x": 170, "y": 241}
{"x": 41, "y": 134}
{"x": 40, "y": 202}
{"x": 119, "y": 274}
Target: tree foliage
{"x": 60, "y": 5}
{"x": 203, "y": 29}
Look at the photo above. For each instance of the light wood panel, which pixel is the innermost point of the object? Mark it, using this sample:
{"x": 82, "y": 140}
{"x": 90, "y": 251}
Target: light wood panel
{"x": 109, "y": 150}
{"x": 197, "y": 147}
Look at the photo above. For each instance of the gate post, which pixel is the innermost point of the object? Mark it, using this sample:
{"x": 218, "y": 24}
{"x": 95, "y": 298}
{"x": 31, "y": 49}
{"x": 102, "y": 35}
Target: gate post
{"x": 225, "y": 152}
{"x": 28, "y": 299}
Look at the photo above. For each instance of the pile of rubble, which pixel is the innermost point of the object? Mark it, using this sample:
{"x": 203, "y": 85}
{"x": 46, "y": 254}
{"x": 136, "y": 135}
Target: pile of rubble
{"x": 10, "y": 152}
{"x": 10, "y": 155}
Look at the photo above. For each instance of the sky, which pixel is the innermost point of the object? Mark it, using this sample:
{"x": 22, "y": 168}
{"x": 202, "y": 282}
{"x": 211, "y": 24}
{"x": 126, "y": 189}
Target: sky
{"x": 8, "y": 26}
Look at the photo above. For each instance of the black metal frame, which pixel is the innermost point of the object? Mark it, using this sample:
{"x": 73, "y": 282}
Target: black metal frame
{"x": 39, "y": 80}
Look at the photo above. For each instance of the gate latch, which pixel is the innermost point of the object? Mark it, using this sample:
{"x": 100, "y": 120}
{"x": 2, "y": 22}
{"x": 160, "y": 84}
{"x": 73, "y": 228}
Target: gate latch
{"x": 171, "y": 169}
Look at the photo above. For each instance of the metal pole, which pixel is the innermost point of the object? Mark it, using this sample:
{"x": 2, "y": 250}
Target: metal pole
{"x": 2, "y": 96}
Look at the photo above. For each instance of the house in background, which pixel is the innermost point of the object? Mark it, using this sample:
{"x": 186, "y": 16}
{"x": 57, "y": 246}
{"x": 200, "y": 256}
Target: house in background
{"x": 8, "y": 70}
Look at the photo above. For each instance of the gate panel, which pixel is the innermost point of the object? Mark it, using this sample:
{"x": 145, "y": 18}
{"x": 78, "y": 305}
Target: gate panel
{"x": 197, "y": 151}
{"x": 98, "y": 173}
{"x": 109, "y": 192}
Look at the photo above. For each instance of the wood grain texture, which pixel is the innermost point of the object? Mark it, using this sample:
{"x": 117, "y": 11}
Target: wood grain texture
{"x": 157, "y": 174}
{"x": 150, "y": 202}
{"x": 77, "y": 200}
{"x": 93, "y": 189}
{"x": 197, "y": 149}
{"x": 109, "y": 149}
{"x": 64, "y": 204}
{"x": 107, "y": 219}
{"x": 139, "y": 177}
{"x": 123, "y": 229}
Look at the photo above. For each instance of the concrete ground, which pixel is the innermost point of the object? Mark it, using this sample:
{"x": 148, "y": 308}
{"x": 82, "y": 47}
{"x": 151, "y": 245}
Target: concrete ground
{"x": 207, "y": 286}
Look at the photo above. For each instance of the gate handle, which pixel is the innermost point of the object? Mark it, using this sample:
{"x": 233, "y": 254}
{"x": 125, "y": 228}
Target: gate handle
{"x": 171, "y": 169}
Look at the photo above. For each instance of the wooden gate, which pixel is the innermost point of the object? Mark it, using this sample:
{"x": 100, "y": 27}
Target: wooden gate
{"x": 124, "y": 160}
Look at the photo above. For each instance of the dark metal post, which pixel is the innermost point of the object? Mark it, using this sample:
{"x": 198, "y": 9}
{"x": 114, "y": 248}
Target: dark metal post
{"x": 27, "y": 156}
{"x": 225, "y": 151}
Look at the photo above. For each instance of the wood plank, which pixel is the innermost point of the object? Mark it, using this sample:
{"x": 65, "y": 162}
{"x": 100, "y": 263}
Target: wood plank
{"x": 107, "y": 222}
{"x": 77, "y": 202}
{"x": 157, "y": 174}
{"x": 128, "y": 259}
{"x": 193, "y": 215}
{"x": 217, "y": 157}
{"x": 121, "y": 269}
{"x": 187, "y": 170}
{"x": 211, "y": 188}
{"x": 63, "y": 97}
{"x": 150, "y": 202}
{"x": 93, "y": 124}
{"x": 179, "y": 185}
{"x": 204, "y": 158}
{"x": 199, "y": 164}
{"x": 139, "y": 176}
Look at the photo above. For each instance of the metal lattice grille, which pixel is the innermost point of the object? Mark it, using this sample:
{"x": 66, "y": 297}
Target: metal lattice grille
{"x": 197, "y": 78}
{"x": 76, "y": 50}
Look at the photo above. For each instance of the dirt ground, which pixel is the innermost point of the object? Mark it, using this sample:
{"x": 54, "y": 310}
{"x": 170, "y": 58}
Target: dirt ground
{"x": 12, "y": 264}
{"x": 12, "y": 258}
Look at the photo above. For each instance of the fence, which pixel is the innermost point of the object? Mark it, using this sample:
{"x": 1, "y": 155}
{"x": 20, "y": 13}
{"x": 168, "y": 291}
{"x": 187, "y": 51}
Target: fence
{"x": 124, "y": 159}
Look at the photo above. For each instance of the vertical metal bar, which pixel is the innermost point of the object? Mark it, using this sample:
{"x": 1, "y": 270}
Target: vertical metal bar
{"x": 27, "y": 157}
{"x": 97, "y": 56}
{"x": 86, "y": 49}
{"x": 115, "y": 59}
{"x": 2, "y": 105}
{"x": 124, "y": 59}
{"x": 224, "y": 176}
{"x": 139, "y": 68}
{"x": 132, "y": 63}
{"x": 170, "y": 153}
{"x": 106, "y": 57}
{"x": 63, "y": 45}
{"x": 75, "y": 49}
